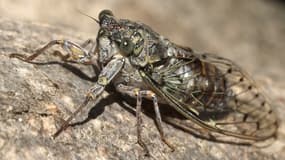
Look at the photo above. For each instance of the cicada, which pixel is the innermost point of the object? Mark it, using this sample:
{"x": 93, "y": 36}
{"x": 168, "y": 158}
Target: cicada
{"x": 141, "y": 63}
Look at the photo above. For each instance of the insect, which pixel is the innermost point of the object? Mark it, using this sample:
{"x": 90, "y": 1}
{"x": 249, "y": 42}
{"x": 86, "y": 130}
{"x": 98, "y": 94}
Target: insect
{"x": 143, "y": 64}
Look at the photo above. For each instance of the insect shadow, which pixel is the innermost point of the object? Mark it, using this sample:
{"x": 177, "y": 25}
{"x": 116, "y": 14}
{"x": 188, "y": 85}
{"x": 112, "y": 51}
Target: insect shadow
{"x": 176, "y": 120}
{"x": 168, "y": 113}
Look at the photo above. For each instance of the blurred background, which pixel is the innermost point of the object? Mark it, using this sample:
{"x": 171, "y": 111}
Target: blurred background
{"x": 251, "y": 33}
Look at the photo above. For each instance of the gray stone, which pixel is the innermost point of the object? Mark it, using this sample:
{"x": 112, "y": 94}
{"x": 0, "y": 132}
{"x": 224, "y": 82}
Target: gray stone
{"x": 34, "y": 99}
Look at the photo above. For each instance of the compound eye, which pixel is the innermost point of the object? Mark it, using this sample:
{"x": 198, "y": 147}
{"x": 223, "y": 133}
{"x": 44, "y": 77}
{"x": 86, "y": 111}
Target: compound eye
{"x": 104, "y": 13}
{"x": 127, "y": 46}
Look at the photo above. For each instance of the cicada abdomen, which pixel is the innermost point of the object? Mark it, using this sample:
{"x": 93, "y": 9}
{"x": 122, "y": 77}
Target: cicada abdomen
{"x": 214, "y": 93}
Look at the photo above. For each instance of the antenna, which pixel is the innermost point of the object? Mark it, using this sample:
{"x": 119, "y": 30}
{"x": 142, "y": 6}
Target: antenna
{"x": 88, "y": 16}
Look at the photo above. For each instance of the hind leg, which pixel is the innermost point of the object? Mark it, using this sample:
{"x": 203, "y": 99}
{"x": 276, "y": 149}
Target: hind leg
{"x": 139, "y": 94}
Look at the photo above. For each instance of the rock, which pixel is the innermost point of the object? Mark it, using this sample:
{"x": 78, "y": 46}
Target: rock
{"x": 35, "y": 99}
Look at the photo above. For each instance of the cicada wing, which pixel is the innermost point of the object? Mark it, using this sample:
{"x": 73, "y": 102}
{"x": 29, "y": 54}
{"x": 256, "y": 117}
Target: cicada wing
{"x": 249, "y": 115}
{"x": 251, "y": 112}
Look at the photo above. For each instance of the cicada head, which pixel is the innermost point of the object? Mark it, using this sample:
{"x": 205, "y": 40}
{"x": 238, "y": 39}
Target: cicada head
{"x": 127, "y": 36}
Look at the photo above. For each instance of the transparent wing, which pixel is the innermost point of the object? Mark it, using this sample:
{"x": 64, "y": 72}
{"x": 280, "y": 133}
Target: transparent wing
{"x": 251, "y": 113}
{"x": 236, "y": 107}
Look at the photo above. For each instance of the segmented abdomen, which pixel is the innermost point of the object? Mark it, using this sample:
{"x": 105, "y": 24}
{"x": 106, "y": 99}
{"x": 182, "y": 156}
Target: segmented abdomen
{"x": 196, "y": 83}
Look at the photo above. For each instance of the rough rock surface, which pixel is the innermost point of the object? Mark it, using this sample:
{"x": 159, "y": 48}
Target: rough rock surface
{"x": 35, "y": 98}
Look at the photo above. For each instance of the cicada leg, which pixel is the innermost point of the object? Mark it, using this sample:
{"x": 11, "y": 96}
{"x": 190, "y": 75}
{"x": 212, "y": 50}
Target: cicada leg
{"x": 139, "y": 94}
{"x": 75, "y": 52}
{"x": 93, "y": 93}
{"x": 66, "y": 122}
{"x": 86, "y": 43}
{"x": 104, "y": 78}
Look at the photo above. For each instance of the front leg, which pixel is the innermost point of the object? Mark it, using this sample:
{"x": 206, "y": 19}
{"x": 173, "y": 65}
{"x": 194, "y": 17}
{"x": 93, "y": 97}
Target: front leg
{"x": 75, "y": 52}
{"x": 139, "y": 94}
{"x": 104, "y": 78}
